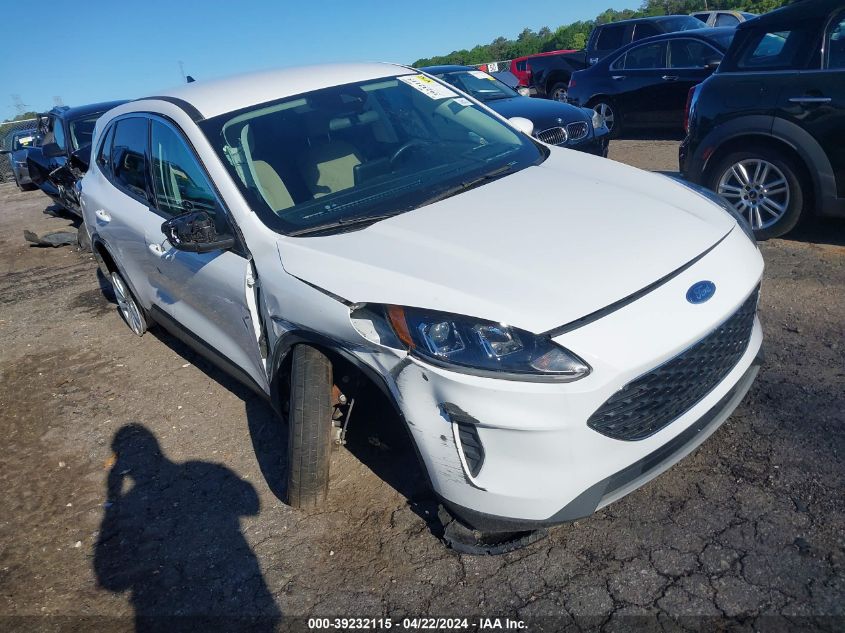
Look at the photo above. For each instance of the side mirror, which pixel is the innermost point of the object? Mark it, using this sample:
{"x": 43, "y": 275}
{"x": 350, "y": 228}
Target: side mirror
{"x": 81, "y": 158}
{"x": 52, "y": 150}
{"x": 195, "y": 232}
{"x": 522, "y": 124}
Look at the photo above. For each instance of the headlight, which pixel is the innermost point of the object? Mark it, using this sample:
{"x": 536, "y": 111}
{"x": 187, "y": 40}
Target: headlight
{"x": 727, "y": 206}
{"x": 483, "y": 347}
{"x": 598, "y": 120}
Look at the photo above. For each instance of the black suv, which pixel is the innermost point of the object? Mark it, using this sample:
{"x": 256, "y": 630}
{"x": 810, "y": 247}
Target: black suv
{"x": 606, "y": 38}
{"x": 767, "y": 129}
{"x": 64, "y": 131}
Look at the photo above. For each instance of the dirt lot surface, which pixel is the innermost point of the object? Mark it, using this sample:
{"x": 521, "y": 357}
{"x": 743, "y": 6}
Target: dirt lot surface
{"x": 189, "y": 521}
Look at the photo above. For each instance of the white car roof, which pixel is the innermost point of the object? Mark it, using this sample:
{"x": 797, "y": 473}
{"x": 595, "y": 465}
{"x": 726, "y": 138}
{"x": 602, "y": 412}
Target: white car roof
{"x": 218, "y": 96}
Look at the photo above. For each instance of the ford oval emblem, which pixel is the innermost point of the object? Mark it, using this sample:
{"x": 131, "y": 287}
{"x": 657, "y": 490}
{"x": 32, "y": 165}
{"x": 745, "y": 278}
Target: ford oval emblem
{"x": 701, "y": 291}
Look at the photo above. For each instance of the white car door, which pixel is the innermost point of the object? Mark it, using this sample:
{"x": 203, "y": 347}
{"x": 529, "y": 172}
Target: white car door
{"x": 208, "y": 297}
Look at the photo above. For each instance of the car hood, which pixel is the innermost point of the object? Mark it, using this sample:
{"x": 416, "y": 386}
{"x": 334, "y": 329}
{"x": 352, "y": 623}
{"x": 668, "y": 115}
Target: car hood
{"x": 536, "y": 249}
{"x": 542, "y": 112}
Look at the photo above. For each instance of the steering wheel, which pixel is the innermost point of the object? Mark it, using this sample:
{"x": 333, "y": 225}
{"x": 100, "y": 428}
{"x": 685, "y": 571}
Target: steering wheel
{"x": 403, "y": 149}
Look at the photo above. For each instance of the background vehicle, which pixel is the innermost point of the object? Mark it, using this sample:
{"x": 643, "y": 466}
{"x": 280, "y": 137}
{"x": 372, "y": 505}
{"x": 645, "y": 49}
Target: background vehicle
{"x": 548, "y": 75}
{"x": 520, "y": 66}
{"x": 767, "y": 130}
{"x": 554, "y": 123}
{"x": 17, "y": 147}
{"x": 606, "y": 38}
{"x": 646, "y": 84}
{"x": 64, "y": 130}
{"x": 723, "y": 18}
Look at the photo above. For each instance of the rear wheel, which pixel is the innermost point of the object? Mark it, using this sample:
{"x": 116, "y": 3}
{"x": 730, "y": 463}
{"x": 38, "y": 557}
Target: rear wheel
{"x": 765, "y": 186}
{"x": 309, "y": 427}
{"x": 129, "y": 308}
{"x": 611, "y": 115}
{"x": 559, "y": 92}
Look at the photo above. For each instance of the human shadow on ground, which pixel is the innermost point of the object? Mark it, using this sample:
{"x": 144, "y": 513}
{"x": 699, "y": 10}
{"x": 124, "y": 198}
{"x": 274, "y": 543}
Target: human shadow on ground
{"x": 171, "y": 537}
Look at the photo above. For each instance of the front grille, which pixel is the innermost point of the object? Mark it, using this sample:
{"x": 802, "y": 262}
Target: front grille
{"x": 656, "y": 399}
{"x": 553, "y": 136}
{"x": 577, "y": 130}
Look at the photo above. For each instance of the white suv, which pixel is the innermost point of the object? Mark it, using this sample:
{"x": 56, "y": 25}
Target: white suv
{"x": 554, "y": 328}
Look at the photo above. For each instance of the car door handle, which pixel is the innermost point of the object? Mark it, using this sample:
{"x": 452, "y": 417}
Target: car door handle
{"x": 810, "y": 100}
{"x": 157, "y": 249}
{"x": 669, "y": 77}
{"x": 102, "y": 215}
{"x": 618, "y": 77}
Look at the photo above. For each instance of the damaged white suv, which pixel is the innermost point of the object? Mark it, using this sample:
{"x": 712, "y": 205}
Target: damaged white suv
{"x": 554, "y": 328}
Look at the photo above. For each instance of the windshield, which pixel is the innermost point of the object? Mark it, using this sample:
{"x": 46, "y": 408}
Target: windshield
{"x": 343, "y": 154}
{"x": 82, "y": 130}
{"x": 479, "y": 84}
{"x": 681, "y": 23}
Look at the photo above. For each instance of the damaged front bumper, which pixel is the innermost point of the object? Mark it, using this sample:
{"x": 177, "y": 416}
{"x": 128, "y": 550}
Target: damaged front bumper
{"x": 509, "y": 455}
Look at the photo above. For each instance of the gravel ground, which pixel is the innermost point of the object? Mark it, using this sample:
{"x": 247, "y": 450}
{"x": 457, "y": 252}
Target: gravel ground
{"x": 748, "y": 530}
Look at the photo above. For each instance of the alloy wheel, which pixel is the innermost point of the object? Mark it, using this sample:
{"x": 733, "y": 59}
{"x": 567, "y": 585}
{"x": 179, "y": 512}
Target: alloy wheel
{"x": 127, "y": 306}
{"x": 560, "y": 94}
{"x": 606, "y": 112}
{"x": 758, "y": 190}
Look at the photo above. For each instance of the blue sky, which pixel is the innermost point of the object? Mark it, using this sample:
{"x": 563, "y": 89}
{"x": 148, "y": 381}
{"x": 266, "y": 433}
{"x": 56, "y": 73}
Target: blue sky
{"x": 96, "y": 50}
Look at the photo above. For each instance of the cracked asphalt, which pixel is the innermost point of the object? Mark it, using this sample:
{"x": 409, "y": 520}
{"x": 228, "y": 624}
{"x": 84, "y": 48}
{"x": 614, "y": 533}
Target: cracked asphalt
{"x": 746, "y": 533}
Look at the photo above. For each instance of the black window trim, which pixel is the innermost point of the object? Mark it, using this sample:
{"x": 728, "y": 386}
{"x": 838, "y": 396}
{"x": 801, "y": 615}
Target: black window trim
{"x": 825, "y": 53}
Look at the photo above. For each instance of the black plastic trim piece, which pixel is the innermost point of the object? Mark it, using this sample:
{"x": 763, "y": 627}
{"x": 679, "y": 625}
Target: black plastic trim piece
{"x": 618, "y": 305}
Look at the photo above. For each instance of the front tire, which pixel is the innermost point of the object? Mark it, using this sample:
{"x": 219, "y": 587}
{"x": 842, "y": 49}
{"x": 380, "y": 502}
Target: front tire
{"x": 309, "y": 427}
{"x": 765, "y": 186}
{"x": 559, "y": 92}
{"x": 612, "y": 117}
{"x": 128, "y": 306}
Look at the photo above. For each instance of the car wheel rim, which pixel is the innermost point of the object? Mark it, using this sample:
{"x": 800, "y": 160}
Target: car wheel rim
{"x": 559, "y": 94}
{"x": 126, "y": 304}
{"x": 758, "y": 190}
{"x": 606, "y": 113}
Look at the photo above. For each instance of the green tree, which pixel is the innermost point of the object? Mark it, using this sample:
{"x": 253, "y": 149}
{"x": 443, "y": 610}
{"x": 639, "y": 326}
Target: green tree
{"x": 575, "y": 34}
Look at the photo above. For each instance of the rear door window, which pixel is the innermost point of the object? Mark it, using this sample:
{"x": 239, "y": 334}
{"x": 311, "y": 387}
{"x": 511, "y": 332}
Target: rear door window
{"x": 611, "y": 37}
{"x": 646, "y": 57}
{"x": 129, "y": 156}
{"x": 688, "y": 53}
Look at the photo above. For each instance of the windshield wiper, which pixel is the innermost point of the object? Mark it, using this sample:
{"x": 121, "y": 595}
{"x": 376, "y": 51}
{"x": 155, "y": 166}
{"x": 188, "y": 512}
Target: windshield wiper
{"x": 469, "y": 184}
{"x": 343, "y": 223}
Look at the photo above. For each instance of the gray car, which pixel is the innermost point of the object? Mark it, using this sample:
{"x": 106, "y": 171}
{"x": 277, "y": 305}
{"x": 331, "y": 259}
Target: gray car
{"x": 19, "y": 143}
